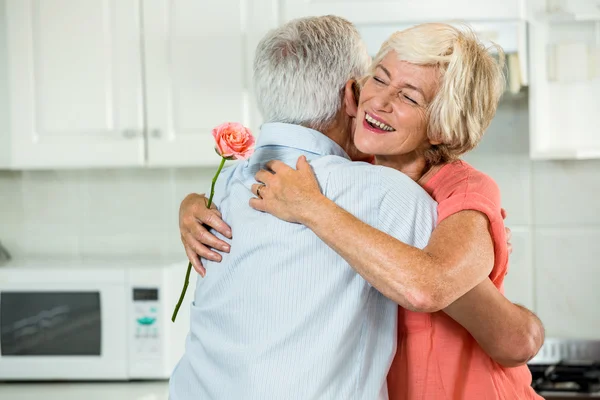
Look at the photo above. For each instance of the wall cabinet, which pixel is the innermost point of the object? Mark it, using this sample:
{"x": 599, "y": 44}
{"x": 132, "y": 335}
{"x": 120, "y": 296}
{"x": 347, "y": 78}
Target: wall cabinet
{"x": 129, "y": 83}
{"x": 75, "y": 94}
{"x": 408, "y": 11}
{"x": 564, "y": 100}
{"x": 119, "y": 83}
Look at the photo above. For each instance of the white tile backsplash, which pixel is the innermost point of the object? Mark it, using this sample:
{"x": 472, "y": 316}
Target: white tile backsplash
{"x": 46, "y": 238}
{"x": 567, "y": 273}
{"x": 518, "y": 283}
{"x": 507, "y": 134}
{"x": 52, "y": 197}
{"x": 128, "y": 202}
{"x": 86, "y": 213}
{"x": 512, "y": 173}
{"x": 566, "y": 193}
{"x": 11, "y": 210}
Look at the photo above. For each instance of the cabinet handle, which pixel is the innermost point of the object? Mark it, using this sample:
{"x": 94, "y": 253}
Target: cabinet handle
{"x": 156, "y": 133}
{"x": 130, "y": 133}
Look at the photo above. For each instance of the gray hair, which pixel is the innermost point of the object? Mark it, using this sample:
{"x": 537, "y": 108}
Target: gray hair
{"x": 301, "y": 68}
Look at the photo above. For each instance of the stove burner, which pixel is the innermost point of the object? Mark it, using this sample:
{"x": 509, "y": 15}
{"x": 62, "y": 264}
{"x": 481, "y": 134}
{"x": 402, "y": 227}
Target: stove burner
{"x": 571, "y": 376}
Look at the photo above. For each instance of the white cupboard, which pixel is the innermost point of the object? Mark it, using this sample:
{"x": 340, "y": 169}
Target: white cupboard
{"x": 115, "y": 83}
{"x": 406, "y": 11}
{"x": 195, "y": 63}
{"x": 564, "y": 101}
{"x": 74, "y": 83}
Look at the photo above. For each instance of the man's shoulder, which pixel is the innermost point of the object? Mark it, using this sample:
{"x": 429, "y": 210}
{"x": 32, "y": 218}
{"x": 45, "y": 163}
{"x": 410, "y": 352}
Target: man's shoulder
{"x": 340, "y": 166}
{"x": 363, "y": 175}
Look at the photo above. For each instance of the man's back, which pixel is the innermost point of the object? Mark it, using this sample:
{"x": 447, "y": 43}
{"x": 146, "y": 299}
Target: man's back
{"x": 283, "y": 316}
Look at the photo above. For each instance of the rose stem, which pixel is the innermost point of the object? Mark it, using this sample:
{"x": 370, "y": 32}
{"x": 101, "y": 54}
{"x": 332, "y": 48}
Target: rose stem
{"x": 189, "y": 267}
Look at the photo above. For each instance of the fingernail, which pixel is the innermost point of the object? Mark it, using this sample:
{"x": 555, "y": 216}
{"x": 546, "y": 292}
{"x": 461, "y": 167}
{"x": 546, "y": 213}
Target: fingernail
{"x": 228, "y": 234}
{"x": 215, "y": 257}
{"x": 225, "y": 248}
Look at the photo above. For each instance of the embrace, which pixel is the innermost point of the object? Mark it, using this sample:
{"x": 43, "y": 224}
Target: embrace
{"x": 355, "y": 255}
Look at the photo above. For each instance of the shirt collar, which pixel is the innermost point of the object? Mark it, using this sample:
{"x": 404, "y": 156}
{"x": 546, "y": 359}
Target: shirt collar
{"x": 298, "y": 137}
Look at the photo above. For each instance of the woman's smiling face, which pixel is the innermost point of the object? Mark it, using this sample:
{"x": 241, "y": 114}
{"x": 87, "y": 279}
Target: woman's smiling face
{"x": 392, "y": 110}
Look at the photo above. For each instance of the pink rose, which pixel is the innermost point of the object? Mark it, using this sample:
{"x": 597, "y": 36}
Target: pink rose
{"x": 233, "y": 140}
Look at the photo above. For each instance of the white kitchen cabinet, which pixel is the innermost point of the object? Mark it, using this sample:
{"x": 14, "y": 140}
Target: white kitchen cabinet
{"x": 564, "y": 100}
{"x": 74, "y": 87}
{"x": 113, "y": 83}
{"x": 394, "y": 11}
{"x": 195, "y": 74}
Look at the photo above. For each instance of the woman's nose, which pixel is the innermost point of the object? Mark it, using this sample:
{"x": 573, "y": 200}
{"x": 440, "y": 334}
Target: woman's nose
{"x": 383, "y": 101}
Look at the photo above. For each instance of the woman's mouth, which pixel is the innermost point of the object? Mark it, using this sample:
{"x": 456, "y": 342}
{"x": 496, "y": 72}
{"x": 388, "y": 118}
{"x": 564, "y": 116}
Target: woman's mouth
{"x": 375, "y": 125}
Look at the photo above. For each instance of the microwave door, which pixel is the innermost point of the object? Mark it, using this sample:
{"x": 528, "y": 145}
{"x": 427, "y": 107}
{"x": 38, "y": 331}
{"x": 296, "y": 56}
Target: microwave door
{"x": 61, "y": 333}
{"x": 51, "y": 324}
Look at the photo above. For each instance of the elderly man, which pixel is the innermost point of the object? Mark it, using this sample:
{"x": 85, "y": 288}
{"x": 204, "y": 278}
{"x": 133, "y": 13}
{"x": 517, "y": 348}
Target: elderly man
{"x": 283, "y": 316}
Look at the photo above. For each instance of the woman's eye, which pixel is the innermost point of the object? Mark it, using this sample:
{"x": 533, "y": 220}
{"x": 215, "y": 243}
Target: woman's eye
{"x": 411, "y": 100}
{"x": 378, "y": 79}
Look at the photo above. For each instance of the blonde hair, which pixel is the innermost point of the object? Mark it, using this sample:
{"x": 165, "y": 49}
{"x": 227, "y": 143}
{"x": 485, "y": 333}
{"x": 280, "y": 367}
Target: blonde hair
{"x": 471, "y": 84}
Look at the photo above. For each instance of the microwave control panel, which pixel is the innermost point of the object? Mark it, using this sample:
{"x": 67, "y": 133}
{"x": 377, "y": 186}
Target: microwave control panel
{"x": 146, "y": 332}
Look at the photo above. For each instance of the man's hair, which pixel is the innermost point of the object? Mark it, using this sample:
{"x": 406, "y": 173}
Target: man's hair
{"x": 301, "y": 68}
{"x": 471, "y": 83}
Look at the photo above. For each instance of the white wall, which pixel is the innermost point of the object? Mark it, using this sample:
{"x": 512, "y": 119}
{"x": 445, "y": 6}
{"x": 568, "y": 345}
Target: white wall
{"x": 553, "y": 210}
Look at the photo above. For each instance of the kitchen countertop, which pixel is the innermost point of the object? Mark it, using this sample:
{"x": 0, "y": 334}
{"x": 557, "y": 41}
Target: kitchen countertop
{"x": 567, "y": 396}
{"x": 155, "y": 390}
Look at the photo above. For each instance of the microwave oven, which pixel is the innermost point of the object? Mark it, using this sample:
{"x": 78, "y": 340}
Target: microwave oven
{"x": 92, "y": 320}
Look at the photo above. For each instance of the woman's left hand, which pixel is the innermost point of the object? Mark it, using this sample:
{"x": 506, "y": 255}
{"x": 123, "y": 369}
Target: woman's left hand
{"x": 288, "y": 194}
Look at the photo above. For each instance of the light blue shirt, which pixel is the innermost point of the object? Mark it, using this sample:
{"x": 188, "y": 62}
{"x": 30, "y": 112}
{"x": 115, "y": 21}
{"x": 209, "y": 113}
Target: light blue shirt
{"x": 283, "y": 316}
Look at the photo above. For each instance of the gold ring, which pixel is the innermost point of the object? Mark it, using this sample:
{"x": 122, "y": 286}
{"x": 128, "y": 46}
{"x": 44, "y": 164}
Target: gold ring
{"x": 258, "y": 190}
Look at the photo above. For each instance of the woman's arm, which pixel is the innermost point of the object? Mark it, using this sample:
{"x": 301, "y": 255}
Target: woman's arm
{"x": 510, "y": 334}
{"x": 194, "y": 219}
{"x": 459, "y": 255}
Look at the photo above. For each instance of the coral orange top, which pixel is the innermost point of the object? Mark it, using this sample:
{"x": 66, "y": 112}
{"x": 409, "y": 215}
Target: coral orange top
{"x": 436, "y": 357}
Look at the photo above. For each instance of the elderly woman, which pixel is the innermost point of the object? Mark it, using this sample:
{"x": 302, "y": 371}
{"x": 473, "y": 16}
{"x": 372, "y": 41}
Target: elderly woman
{"x": 431, "y": 93}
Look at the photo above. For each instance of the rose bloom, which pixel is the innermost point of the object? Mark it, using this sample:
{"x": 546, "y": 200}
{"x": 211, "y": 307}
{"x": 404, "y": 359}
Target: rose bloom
{"x": 234, "y": 140}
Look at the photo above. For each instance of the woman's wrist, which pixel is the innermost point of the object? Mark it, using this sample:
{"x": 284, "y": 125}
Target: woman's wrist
{"x": 317, "y": 213}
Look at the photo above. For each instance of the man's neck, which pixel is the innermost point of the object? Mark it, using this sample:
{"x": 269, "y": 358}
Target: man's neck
{"x": 341, "y": 132}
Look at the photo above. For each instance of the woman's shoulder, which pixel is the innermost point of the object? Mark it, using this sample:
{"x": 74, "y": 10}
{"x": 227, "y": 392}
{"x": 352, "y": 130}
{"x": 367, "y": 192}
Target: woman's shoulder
{"x": 461, "y": 178}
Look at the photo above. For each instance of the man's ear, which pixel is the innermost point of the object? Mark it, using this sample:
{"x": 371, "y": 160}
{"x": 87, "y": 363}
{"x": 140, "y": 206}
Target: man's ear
{"x": 351, "y": 95}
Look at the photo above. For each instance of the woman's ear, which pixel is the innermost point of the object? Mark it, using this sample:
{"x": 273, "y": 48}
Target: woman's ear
{"x": 351, "y": 95}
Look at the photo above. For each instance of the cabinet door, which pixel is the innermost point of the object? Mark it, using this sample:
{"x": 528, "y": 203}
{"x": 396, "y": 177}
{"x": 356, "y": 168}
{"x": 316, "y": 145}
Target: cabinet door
{"x": 195, "y": 69}
{"x": 367, "y": 12}
{"x": 75, "y": 91}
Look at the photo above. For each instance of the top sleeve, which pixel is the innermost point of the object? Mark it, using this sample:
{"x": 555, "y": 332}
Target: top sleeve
{"x": 481, "y": 193}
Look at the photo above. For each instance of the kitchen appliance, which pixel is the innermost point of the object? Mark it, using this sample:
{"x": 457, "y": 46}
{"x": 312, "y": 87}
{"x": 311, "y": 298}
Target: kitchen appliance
{"x": 93, "y": 320}
{"x": 567, "y": 369}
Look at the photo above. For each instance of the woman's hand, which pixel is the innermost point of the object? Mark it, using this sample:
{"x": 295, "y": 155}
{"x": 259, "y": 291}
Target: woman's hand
{"x": 197, "y": 239}
{"x": 288, "y": 194}
{"x": 508, "y": 232}
{"x": 508, "y": 237}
